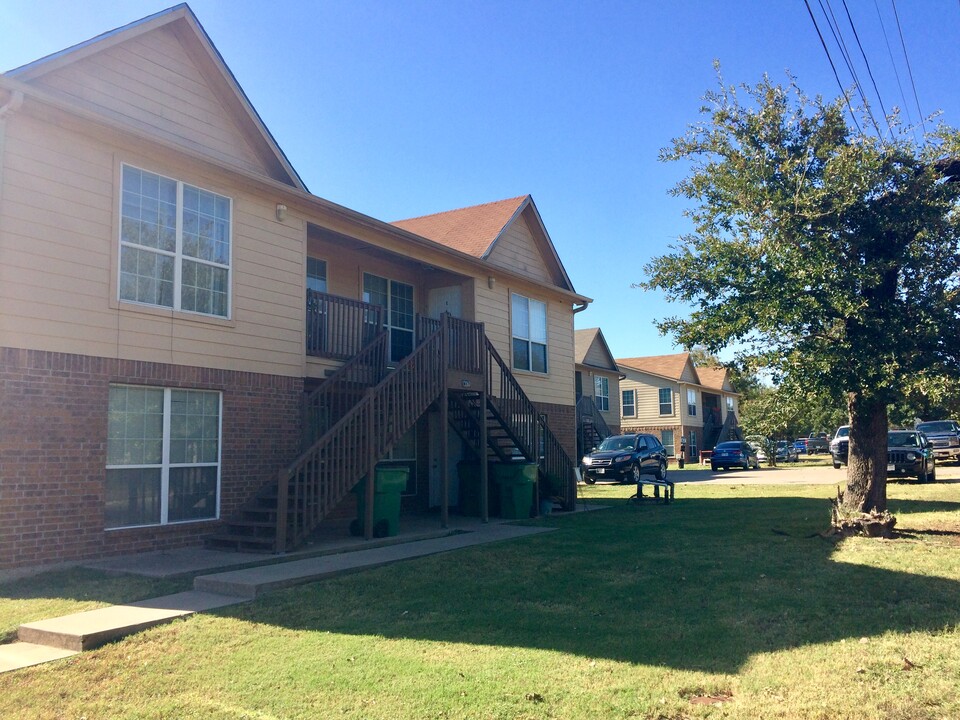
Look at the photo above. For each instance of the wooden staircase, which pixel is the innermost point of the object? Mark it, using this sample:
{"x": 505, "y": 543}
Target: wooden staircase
{"x": 343, "y": 444}
{"x": 591, "y": 427}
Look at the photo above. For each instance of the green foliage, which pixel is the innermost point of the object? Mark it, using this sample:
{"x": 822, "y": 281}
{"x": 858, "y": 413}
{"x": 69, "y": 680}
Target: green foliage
{"x": 829, "y": 257}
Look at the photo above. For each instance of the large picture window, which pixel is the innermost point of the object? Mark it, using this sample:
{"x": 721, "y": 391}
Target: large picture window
{"x": 601, "y": 392}
{"x": 163, "y": 456}
{"x": 529, "y": 324}
{"x": 175, "y": 244}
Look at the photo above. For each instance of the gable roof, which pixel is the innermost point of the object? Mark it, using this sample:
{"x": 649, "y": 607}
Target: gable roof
{"x": 586, "y": 340}
{"x": 475, "y": 230}
{"x": 714, "y": 378}
{"x": 223, "y": 83}
{"x": 668, "y": 366}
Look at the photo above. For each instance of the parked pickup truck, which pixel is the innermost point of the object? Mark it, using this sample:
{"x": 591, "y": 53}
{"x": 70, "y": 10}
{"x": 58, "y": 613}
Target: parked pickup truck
{"x": 813, "y": 445}
{"x": 945, "y": 436}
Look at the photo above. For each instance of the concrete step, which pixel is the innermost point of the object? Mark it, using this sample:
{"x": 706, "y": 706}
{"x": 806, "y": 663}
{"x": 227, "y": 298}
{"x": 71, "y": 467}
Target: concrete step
{"x": 14, "y": 656}
{"x": 87, "y": 630}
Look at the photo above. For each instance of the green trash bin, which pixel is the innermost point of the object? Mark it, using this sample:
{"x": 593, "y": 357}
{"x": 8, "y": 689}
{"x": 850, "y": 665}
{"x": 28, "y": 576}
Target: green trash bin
{"x": 516, "y": 482}
{"x": 468, "y": 471}
{"x": 388, "y": 484}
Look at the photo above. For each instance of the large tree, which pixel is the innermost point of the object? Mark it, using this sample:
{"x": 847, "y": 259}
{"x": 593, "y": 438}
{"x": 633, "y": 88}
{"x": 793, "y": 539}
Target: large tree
{"x": 827, "y": 256}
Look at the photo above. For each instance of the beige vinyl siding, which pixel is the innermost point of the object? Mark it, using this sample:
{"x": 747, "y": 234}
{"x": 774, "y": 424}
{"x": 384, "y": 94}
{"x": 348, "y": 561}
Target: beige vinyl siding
{"x": 517, "y": 250}
{"x": 59, "y": 253}
{"x": 596, "y": 357}
{"x": 151, "y": 82}
{"x": 493, "y": 309}
{"x": 611, "y": 416}
{"x": 647, "y": 388}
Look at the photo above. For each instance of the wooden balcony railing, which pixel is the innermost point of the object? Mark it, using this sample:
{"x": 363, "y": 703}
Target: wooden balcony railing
{"x": 338, "y": 327}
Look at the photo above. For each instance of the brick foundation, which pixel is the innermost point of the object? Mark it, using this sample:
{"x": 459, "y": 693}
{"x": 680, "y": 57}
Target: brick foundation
{"x": 53, "y": 444}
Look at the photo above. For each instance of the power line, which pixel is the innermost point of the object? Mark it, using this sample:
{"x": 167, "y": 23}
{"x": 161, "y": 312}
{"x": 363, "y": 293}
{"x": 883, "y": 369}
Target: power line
{"x": 893, "y": 62}
{"x": 833, "y": 67}
{"x": 909, "y": 69}
{"x": 869, "y": 70}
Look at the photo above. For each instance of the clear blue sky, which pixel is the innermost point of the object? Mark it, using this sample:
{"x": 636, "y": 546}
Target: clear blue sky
{"x": 404, "y": 108}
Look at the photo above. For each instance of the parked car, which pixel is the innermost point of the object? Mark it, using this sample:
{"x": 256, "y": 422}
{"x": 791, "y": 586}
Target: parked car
{"x": 840, "y": 446}
{"x": 800, "y": 445}
{"x": 625, "y": 458}
{"x": 945, "y": 436}
{"x": 786, "y": 452}
{"x": 817, "y": 444}
{"x": 910, "y": 454}
{"x": 734, "y": 453}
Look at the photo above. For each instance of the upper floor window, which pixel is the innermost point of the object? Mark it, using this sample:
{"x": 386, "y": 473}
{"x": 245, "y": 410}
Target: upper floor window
{"x": 316, "y": 275}
{"x": 529, "y": 325}
{"x": 396, "y": 298}
{"x": 692, "y": 402}
{"x": 174, "y": 244}
{"x": 729, "y": 404}
{"x": 601, "y": 392}
{"x": 628, "y": 403}
{"x": 666, "y": 401}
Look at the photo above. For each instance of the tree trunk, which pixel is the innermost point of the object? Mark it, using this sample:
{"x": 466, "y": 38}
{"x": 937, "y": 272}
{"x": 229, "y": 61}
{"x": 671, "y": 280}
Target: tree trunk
{"x": 867, "y": 455}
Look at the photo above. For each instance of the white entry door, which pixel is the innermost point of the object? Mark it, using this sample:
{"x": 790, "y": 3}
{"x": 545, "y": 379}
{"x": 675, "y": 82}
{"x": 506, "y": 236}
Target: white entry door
{"x": 445, "y": 299}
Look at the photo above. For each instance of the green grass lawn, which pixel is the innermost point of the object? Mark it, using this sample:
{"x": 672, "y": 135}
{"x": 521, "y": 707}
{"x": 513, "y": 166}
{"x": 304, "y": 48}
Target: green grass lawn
{"x": 725, "y": 604}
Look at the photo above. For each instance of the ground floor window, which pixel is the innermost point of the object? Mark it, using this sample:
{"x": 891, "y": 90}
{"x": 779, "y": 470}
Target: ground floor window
{"x": 666, "y": 439}
{"x": 692, "y": 445}
{"x": 163, "y": 456}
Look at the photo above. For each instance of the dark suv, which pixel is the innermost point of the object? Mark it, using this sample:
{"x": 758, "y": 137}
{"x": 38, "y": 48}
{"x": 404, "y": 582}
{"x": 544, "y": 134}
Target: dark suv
{"x": 910, "y": 454}
{"x": 945, "y": 436}
{"x": 625, "y": 458}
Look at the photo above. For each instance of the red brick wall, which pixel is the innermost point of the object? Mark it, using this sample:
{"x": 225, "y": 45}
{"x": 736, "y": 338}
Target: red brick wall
{"x": 53, "y": 444}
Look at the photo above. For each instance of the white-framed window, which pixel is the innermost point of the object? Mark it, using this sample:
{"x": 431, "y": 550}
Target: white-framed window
{"x": 175, "y": 244}
{"x": 396, "y": 298}
{"x": 729, "y": 404}
{"x": 628, "y": 403}
{"x": 601, "y": 392}
{"x": 529, "y": 330}
{"x": 316, "y": 274}
{"x": 666, "y": 401}
{"x": 691, "y": 402}
{"x": 404, "y": 454}
{"x": 163, "y": 456}
{"x": 693, "y": 443}
{"x": 666, "y": 439}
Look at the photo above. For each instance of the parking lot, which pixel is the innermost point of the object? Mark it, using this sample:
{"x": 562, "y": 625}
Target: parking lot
{"x": 794, "y": 473}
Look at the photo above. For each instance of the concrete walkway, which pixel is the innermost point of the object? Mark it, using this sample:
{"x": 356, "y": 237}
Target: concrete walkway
{"x": 61, "y": 637}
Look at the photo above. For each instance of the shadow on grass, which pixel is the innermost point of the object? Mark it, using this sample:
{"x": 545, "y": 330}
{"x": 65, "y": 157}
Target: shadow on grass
{"x": 701, "y": 584}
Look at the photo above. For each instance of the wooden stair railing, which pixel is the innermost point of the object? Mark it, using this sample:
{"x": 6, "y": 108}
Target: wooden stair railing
{"x": 333, "y": 398}
{"x": 591, "y": 427}
{"x": 321, "y": 477}
{"x": 516, "y": 431}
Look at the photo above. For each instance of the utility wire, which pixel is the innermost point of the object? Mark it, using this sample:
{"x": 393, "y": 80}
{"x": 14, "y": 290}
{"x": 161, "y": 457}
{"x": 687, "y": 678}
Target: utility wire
{"x": 893, "y": 63}
{"x": 909, "y": 69}
{"x": 866, "y": 62}
{"x": 833, "y": 67}
{"x": 838, "y": 38}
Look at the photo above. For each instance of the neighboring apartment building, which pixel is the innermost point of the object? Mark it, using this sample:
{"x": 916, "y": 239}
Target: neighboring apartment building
{"x": 189, "y": 337}
{"x": 597, "y": 382}
{"x": 669, "y": 397}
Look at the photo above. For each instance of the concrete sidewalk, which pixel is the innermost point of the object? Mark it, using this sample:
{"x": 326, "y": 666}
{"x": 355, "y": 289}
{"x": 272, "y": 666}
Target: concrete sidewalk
{"x": 237, "y": 582}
